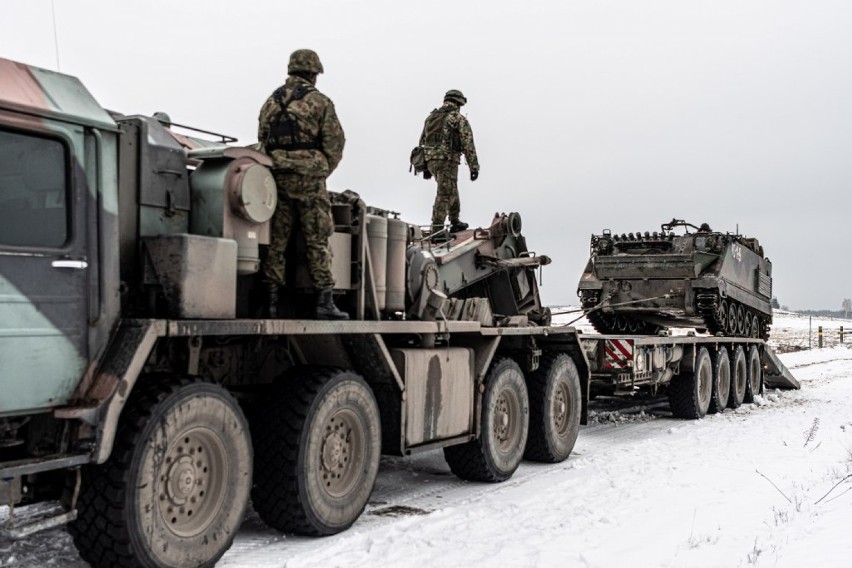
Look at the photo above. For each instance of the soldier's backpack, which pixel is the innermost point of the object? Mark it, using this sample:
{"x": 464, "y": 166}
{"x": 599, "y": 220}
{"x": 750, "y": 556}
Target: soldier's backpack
{"x": 433, "y": 129}
{"x": 434, "y": 136}
{"x": 284, "y": 133}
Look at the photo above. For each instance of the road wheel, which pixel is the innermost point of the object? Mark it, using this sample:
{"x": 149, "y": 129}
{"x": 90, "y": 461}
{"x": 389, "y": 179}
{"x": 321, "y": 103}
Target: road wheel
{"x": 754, "y": 386}
{"x": 174, "y": 490}
{"x": 721, "y": 317}
{"x": 633, "y": 326}
{"x": 318, "y": 442}
{"x": 739, "y": 378}
{"x": 690, "y": 392}
{"x": 746, "y": 324}
{"x": 721, "y": 382}
{"x": 755, "y": 327}
{"x": 496, "y": 454}
{"x": 732, "y": 318}
{"x": 741, "y": 321}
{"x": 555, "y": 406}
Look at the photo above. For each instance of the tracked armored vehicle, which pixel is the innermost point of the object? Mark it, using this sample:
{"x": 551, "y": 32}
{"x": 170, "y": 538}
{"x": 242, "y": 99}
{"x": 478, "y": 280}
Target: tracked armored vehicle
{"x": 639, "y": 283}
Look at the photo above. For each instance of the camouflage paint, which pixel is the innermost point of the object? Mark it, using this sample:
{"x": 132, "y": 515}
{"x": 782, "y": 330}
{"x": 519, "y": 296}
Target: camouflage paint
{"x": 45, "y": 290}
{"x": 41, "y": 362}
{"x": 674, "y": 280}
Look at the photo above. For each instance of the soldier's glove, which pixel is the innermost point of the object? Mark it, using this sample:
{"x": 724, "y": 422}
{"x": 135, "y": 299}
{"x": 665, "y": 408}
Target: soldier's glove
{"x": 351, "y": 198}
{"x": 427, "y": 174}
{"x": 474, "y": 174}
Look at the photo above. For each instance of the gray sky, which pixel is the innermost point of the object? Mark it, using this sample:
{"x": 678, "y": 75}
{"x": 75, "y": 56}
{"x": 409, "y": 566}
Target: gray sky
{"x": 586, "y": 115}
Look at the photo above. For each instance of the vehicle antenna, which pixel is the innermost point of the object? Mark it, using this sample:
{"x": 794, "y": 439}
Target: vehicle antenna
{"x": 55, "y": 35}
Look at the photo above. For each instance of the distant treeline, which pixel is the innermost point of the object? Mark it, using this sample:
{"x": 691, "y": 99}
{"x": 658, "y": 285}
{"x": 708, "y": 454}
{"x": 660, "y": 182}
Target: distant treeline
{"x": 825, "y": 313}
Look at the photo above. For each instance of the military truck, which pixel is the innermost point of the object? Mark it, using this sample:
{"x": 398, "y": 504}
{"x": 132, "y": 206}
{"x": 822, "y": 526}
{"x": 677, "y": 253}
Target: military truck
{"x": 641, "y": 283}
{"x": 143, "y": 391}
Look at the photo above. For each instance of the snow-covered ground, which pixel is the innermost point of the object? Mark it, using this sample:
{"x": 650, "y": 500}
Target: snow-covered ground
{"x": 764, "y": 485}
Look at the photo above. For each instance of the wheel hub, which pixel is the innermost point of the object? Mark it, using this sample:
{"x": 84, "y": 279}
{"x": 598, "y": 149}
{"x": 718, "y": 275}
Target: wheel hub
{"x": 501, "y": 422}
{"x": 190, "y": 482}
{"x": 342, "y": 441}
{"x": 181, "y": 480}
{"x": 334, "y": 447}
{"x": 560, "y": 408}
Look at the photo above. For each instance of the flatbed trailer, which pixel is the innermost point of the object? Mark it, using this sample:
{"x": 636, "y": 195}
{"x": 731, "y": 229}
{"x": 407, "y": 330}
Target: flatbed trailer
{"x": 700, "y": 374}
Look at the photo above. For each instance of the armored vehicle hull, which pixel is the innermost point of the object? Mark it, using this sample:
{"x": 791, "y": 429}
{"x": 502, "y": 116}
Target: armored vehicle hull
{"x": 640, "y": 283}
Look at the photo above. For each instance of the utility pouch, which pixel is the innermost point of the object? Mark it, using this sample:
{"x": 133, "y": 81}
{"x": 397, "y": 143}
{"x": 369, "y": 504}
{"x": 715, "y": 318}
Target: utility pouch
{"x": 418, "y": 161}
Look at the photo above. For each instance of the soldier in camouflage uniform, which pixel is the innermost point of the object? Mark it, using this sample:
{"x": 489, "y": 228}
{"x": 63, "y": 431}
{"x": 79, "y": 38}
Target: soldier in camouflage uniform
{"x": 299, "y": 130}
{"x": 446, "y": 135}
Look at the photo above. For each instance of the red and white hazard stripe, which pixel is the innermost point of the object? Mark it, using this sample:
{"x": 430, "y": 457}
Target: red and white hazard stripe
{"x": 618, "y": 353}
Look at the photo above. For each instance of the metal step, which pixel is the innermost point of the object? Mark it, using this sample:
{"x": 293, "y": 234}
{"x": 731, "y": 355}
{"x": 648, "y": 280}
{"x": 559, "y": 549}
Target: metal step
{"x": 21, "y": 522}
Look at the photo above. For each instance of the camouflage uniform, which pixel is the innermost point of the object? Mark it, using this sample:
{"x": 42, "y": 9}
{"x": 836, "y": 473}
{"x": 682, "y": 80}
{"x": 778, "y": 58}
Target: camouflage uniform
{"x": 443, "y": 155}
{"x": 300, "y": 175}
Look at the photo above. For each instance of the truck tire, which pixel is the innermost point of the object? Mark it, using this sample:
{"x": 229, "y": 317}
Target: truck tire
{"x": 317, "y": 447}
{"x": 739, "y": 378}
{"x": 496, "y": 454}
{"x": 555, "y": 406}
{"x": 721, "y": 382}
{"x": 754, "y": 386}
{"x": 690, "y": 392}
{"x": 175, "y": 489}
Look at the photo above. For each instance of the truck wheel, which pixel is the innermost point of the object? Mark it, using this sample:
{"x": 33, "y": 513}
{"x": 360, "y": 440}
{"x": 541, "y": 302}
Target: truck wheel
{"x": 754, "y": 386}
{"x": 739, "y": 378}
{"x": 318, "y": 442}
{"x": 175, "y": 489}
{"x": 496, "y": 454}
{"x": 690, "y": 392}
{"x": 721, "y": 382}
{"x": 555, "y": 406}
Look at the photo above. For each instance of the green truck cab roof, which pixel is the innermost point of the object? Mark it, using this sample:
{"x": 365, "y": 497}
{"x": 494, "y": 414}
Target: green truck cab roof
{"x": 40, "y": 92}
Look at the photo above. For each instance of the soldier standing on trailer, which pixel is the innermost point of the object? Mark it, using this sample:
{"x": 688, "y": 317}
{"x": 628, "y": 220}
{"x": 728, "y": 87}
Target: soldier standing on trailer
{"x": 446, "y": 135}
{"x": 298, "y": 128}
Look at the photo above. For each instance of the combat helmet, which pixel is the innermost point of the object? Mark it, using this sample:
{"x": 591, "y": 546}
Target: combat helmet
{"x": 456, "y": 96}
{"x": 304, "y": 60}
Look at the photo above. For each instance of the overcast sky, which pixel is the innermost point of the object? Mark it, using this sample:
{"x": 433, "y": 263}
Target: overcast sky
{"x": 616, "y": 114}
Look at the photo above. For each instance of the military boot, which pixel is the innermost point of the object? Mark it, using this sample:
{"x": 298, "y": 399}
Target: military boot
{"x": 326, "y": 310}
{"x": 457, "y": 226}
{"x": 272, "y": 301}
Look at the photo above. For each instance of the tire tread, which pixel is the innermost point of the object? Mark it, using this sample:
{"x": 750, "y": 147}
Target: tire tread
{"x": 469, "y": 460}
{"x": 276, "y": 429}
{"x": 538, "y": 448}
{"x": 683, "y": 392}
{"x": 100, "y": 533}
